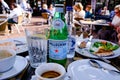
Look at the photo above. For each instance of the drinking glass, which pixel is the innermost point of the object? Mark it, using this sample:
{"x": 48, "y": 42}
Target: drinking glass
{"x": 37, "y": 45}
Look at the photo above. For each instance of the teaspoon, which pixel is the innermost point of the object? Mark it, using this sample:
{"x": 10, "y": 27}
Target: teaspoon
{"x": 97, "y": 65}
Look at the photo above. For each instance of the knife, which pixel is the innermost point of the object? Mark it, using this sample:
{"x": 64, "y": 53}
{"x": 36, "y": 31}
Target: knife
{"x": 102, "y": 58}
{"x": 19, "y": 43}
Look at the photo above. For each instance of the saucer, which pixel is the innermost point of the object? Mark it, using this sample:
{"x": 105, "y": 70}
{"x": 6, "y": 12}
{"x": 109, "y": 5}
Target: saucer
{"x": 35, "y": 78}
{"x": 19, "y": 66}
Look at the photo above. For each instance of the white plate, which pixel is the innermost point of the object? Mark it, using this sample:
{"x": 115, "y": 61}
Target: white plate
{"x": 82, "y": 70}
{"x": 20, "y": 48}
{"x": 87, "y": 54}
{"x": 19, "y": 66}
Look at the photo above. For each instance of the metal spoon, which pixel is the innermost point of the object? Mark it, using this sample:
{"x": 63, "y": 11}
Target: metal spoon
{"x": 97, "y": 65}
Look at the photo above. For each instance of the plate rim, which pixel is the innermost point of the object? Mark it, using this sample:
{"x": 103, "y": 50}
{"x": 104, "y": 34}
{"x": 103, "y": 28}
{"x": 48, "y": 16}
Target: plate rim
{"x": 92, "y": 56}
{"x": 25, "y": 65}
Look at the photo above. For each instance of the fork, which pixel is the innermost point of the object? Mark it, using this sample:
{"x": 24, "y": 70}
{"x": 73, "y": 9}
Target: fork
{"x": 19, "y": 42}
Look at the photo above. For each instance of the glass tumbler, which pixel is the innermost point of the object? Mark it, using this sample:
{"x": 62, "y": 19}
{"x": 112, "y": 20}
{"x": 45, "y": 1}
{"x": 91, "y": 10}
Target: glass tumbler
{"x": 37, "y": 45}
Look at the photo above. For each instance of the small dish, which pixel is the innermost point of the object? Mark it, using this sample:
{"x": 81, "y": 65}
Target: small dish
{"x": 20, "y": 64}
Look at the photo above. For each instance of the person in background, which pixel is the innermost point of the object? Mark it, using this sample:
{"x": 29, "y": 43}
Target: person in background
{"x": 5, "y": 6}
{"x": 114, "y": 33}
{"x": 45, "y": 9}
{"x": 23, "y": 4}
{"x": 27, "y": 10}
{"x": 88, "y": 14}
{"x": 19, "y": 7}
{"x": 78, "y": 11}
{"x": 13, "y": 16}
{"x": 105, "y": 11}
{"x": 51, "y": 9}
{"x": 112, "y": 14}
{"x": 116, "y": 24}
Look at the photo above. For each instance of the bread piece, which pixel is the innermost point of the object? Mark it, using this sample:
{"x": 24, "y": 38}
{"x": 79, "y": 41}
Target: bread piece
{"x": 103, "y": 52}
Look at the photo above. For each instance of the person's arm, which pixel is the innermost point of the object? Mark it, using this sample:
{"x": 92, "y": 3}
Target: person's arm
{"x": 23, "y": 5}
{"x": 5, "y": 5}
{"x": 113, "y": 23}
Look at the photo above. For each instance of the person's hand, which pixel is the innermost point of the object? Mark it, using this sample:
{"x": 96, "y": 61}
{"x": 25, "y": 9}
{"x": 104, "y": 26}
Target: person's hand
{"x": 118, "y": 38}
{"x": 118, "y": 29}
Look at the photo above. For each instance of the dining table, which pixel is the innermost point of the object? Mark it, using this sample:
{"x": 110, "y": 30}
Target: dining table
{"x": 91, "y": 23}
{"x": 28, "y": 72}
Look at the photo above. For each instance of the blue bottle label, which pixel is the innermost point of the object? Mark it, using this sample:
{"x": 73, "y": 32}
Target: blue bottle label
{"x": 58, "y": 49}
{"x": 58, "y": 24}
{"x": 72, "y": 42}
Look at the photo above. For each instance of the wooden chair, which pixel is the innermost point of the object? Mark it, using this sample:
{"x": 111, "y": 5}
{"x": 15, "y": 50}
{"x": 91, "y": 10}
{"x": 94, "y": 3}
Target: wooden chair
{"x": 19, "y": 24}
{"x": 26, "y": 18}
{"x": 4, "y": 28}
{"x": 46, "y": 16}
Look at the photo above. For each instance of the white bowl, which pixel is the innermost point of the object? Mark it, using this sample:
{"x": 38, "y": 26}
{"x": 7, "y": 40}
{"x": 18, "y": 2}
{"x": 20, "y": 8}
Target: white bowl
{"x": 50, "y": 67}
{"x": 7, "y": 63}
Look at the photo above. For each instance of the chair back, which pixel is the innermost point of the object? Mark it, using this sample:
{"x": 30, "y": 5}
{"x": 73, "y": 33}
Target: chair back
{"x": 3, "y": 26}
{"x": 45, "y": 15}
{"x": 20, "y": 19}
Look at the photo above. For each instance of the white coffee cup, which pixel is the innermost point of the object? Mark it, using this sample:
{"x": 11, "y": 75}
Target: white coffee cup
{"x": 8, "y": 62}
{"x": 50, "y": 67}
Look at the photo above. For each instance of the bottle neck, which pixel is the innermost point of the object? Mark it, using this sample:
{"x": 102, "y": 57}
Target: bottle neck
{"x": 69, "y": 15}
{"x": 69, "y": 20}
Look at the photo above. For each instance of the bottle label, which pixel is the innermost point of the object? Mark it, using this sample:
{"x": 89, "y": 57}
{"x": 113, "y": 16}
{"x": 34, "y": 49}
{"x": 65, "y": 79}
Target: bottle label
{"x": 71, "y": 43}
{"x": 58, "y": 24}
{"x": 58, "y": 49}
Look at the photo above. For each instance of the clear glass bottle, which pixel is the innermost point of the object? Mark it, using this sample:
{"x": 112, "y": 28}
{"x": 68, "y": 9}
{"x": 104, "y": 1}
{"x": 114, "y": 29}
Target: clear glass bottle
{"x": 71, "y": 30}
{"x": 58, "y": 40}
